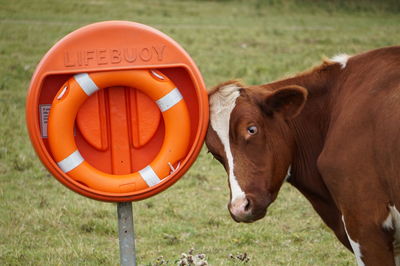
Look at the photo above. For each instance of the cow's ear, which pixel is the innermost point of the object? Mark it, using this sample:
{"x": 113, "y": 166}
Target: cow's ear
{"x": 288, "y": 101}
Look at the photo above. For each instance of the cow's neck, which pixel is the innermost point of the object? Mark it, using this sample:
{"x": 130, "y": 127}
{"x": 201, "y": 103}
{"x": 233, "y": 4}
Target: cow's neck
{"x": 310, "y": 127}
{"x": 309, "y": 130}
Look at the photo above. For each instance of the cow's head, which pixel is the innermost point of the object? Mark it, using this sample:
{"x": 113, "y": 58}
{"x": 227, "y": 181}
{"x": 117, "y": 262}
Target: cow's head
{"x": 249, "y": 135}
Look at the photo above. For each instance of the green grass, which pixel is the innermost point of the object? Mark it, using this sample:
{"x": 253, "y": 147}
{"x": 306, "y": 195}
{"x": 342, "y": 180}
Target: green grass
{"x": 43, "y": 223}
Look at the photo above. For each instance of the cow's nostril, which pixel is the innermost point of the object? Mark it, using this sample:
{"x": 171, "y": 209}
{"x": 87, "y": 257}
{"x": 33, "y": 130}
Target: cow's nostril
{"x": 241, "y": 209}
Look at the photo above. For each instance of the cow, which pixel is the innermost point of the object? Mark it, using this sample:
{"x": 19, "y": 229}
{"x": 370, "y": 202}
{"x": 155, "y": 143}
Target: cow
{"x": 333, "y": 132}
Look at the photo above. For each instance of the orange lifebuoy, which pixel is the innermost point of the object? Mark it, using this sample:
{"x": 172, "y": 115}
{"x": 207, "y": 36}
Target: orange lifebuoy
{"x": 72, "y": 95}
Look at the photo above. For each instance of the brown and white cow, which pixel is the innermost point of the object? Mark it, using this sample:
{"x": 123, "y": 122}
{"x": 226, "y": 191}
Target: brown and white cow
{"x": 332, "y": 132}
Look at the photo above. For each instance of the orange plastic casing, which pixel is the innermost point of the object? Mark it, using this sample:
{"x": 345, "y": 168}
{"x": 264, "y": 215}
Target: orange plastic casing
{"x": 118, "y": 130}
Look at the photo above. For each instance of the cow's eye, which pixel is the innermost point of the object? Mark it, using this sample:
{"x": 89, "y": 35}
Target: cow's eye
{"x": 252, "y": 130}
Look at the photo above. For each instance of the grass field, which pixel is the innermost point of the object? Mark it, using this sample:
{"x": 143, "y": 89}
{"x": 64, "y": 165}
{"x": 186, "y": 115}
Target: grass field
{"x": 43, "y": 223}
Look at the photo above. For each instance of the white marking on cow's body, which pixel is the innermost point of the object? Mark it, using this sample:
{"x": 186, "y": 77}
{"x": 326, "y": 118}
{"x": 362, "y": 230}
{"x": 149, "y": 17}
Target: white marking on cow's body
{"x": 392, "y": 222}
{"x": 355, "y": 246}
{"x": 341, "y": 59}
{"x": 222, "y": 103}
{"x": 288, "y": 173}
{"x": 388, "y": 223}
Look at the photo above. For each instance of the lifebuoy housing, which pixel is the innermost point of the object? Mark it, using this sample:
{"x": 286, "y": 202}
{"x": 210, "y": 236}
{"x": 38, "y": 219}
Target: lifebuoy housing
{"x": 73, "y": 94}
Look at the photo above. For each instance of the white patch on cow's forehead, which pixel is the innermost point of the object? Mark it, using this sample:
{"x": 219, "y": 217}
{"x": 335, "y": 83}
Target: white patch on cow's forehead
{"x": 222, "y": 103}
{"x": 341, "y": 59}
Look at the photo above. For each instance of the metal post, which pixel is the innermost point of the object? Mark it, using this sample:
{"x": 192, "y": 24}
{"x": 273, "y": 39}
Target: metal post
{"x": 126, "y": 234}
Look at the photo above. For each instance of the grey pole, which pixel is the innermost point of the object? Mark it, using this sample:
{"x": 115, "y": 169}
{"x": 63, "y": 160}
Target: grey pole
{"x": 126, "y": 234}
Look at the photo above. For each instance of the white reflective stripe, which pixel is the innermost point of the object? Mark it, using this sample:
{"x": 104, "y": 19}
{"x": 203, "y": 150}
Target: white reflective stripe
{"x": 169, "y": 100}
{"x": 149, "y": 176}
{"x": 86, "y": 83}
{"x": 62, "y": 93}
{"x": 71, "y": 162}
{"x": 157, "y": 75}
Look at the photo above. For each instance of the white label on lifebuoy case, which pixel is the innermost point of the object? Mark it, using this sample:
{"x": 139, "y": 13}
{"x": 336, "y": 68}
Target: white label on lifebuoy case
{"x": 169, "y": 100}
{"x": 149, "y": 176}
{"x": 44, "y": 111}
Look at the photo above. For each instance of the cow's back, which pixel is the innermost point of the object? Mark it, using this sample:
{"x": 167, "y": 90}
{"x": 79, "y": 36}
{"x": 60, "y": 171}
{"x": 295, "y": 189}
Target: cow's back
{"x": 363, "y": 140}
